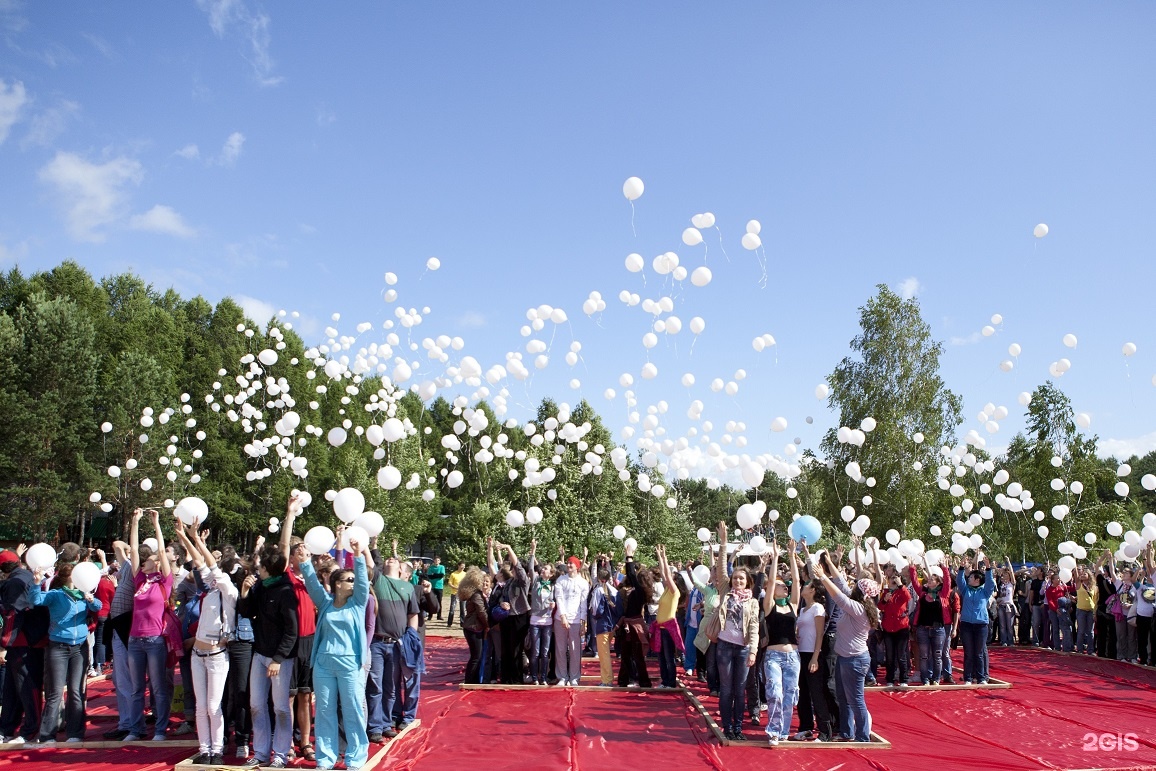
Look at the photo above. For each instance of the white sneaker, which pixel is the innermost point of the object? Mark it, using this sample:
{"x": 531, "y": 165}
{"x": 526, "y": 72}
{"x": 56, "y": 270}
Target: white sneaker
{"x": 159, "y": 738}
{"x": 575, "y": 682}
{"x": 132, "y": 738}
{"x": 242, "y": 750}
{"x": 17, "y": 739}
{"x": 73, "y": 740}
{"x": 773, "y": 741}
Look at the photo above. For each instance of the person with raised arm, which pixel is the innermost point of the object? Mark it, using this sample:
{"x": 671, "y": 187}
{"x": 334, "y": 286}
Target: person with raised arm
{"x": 147, "y": 648}
{"x": 932, "y": 618}
{"x": 541, "y": 618}
{"x": 860, "y": 615}
{"x": 340, "y": 650}
{"x": 894, "y": 602}
{"x": 66, "y": 659}
{"x": 635, "y": 639}
{"x": 738, "y": 639}
{"x": 271, "y": 606}
{"x": 814, "y": 713}
{"x": 210, "y": 654}
{"x": 301, "y": 690}
{"x": 781, "y": 662}
{"x": 665, "y": 637}
{"x": 975, "y": 589}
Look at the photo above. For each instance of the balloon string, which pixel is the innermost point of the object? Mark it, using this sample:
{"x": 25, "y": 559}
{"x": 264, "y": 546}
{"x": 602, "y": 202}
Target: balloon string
{"x": 632, "y": 220}
{"x": 720, "y": 243}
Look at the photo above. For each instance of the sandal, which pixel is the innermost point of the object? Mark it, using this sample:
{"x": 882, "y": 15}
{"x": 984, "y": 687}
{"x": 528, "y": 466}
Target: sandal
{"x": 308, "y": 753}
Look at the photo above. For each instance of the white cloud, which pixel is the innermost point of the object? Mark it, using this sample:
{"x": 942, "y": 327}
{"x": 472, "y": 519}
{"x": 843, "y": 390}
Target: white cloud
{"x": 1126, "y": 448}
{"x": 257, "y": 311}
{"x": 162, "y": 219}
{"x": 231, "y": 150}
{"x": 49, "y": 124}
{"x": 103, "y": 47}
{"x": 253, "y": 26}
{"x": 909, "y": 287}
{"x": 12, "y": 101}
{"x": 971, "y": 339}
{"x": 325, "y": 116}
{"x": 92, "y": 193}
{"x": 189, "y": 152}
{"x": 471, "y": 320}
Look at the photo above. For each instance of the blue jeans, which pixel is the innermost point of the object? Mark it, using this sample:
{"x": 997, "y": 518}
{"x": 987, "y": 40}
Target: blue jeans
{"x": 931, "y": 641}
{"x": 384, "y": 682}
{"x": 945, "y": 650}
{"x": 1039, "y": 616}
{"x": 851, "y": 673}
{"x": 149, "y": 653}
{"x": 64, "y": 664}
{"x": 405, "y": 708}
{"x": 782, "y": 674}
{"x": 336, "y": 685}
{"x": 540, "y": 638}
{"x": 974, "y": 639}
{"x": 266, "y": 745}
{"x": 1085, "y": 624}
{"x": 732, "y": 671}
{"x": 1007, "y": 625}
{"x": 122, "y": 682}
{"x": 690, "y": 655}
{"x": 1061, "y": 622}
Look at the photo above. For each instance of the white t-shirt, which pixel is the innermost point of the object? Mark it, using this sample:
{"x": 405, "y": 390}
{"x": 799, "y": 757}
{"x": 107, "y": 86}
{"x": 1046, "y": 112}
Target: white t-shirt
{"x": 1143, "y": 607}
{"x": 805, "y": 627}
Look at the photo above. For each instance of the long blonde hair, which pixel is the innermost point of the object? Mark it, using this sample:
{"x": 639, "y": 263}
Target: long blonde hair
{"x": 471, "y": 582}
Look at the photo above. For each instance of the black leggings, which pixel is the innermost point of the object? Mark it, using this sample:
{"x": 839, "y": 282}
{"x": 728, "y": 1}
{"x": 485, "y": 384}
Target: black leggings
{"x": 898, "y": 655}
{"x": 813, "y": 712}
{"x": 632, "y": 654}
{"x": 473, "y": 668}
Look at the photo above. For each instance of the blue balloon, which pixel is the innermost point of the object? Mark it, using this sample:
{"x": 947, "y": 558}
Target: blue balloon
{"x": 806, "y": 528}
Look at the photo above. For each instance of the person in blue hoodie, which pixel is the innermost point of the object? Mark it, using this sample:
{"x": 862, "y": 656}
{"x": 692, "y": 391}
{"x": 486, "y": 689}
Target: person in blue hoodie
{"x": 975, "y": 591}
{"x": 66, "y": 660}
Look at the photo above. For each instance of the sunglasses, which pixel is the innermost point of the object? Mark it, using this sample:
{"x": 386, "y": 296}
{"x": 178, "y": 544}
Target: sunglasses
{"x": 345, "y": 580}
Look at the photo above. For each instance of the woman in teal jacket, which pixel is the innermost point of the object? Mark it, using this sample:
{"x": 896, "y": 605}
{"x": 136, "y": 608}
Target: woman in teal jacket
{"x": 975, "y": 590}
{"x": 66, "y": 660}
{"x": 339, "y": 649}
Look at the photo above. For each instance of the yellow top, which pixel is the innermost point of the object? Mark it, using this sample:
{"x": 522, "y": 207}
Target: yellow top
{"x": 667, "y": 605}
{"x": 1086, "y": 600}
{"x": 455, "y": 579}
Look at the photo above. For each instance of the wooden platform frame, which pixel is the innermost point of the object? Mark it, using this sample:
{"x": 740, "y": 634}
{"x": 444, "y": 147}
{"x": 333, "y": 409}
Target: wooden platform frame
{"x": 374, "y": 759}
{"x": 528, "y": 687}
{"x": 96, "y": 745}
{"x": 991, "y": 684}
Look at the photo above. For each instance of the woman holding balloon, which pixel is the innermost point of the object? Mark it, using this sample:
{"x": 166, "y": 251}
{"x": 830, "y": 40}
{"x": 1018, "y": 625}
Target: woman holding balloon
{"x": 66, "y": 660}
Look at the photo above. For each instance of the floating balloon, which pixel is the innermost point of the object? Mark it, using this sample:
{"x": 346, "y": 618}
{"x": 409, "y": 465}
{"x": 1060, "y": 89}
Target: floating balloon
{"x": 701, "y": 275}
{"x": 388, "y": 477}
{"x": 192, "y": 511}
{"x": 806, "y": 528}
{"x": 1129, "y": 349}
{"x": 348, "y": 504}
{"x": 433, "y": 263}
{"x": 40, "y": 556}
{"x": 1070, "y": 340}
{"x": 632, "y": 188}
{"x": 691, "y": 237}
{"x": 702, "y": 574}
{"x": 634, "y": 263}
{"x": 703, "y": 534}
{"x": 371, "y": 522}
{"x": 86, "y": 576}
{"x": 1040, "y": 230}
{"x": 514, "y": 518}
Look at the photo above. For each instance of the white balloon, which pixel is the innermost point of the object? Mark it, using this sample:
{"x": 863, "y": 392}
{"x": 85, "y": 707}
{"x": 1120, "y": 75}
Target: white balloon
{"x": 751, "y": 242}
{"x": 433, "y": 263}
{"x": 1115, "y": 529}
{"x": 634, "y": 263}
{"x": 779, "y": 424}
{"x": 1129, "y": 349}
{"x": 337, "y": 436}
{"x": 702, "y": 574}
{"x": 319, "y": 540}
{"x": 388, "y": 477}
{"x": 533, "y": 515}
{"x": 192, "y": 510}
{"x": 703, "y": 534}
{"x": 633, "y": 188}
{"x": 515, "y": 519}
{"x": 86, "y": 576}
{"x": 691, "y": 237}
{"x": 619, "y": 532}
{"x": 697, "y": 325}
{"x": 821, "y": 391}
{"x": 754, "y": 226}
{"x": 1040, "y": 230}
{"x": 892, "y": 536}
{"x": 701, "y": 275}
{"x": 40, "y": 556}
{"x": 1083, "y": 420}
{"x": 1070, "y": 340}
{"x": 348, "y": 504}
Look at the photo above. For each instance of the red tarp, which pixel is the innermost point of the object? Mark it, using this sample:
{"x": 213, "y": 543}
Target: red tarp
{"x": 1063, "y": 712}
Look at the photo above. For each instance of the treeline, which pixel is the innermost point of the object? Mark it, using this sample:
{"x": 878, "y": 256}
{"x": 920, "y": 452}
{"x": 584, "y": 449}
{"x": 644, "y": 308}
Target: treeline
{"x": 161, "y": 373}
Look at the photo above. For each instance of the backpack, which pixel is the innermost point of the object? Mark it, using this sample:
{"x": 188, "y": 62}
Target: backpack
{"x": 1115, "y": 608}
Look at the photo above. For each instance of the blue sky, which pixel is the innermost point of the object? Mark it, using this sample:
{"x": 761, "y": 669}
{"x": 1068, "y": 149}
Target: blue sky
{"x": 290, "y": 154}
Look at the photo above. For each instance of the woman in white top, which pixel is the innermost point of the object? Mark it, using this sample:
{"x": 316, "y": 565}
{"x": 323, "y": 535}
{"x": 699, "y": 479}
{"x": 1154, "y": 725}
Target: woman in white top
{"x": 210, "y": 654}
{"x": 737, "y": 640}
{"x": 814, "y": 707}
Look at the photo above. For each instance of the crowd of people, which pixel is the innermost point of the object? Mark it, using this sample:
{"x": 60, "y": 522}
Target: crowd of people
{"x": 785, "y": 640}
{"x": 262, "y": 642}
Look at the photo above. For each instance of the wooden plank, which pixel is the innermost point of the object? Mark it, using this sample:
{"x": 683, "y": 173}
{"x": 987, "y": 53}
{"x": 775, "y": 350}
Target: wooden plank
{"x": 98, "y": 745}
{"x": 992, "y": 683}
{"x": 374, "y": 759}
{"x": 611, "y": 689}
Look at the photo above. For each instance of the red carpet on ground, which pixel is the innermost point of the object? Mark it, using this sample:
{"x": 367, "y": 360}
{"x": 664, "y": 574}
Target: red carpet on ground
{"x": 1063, "y": 712}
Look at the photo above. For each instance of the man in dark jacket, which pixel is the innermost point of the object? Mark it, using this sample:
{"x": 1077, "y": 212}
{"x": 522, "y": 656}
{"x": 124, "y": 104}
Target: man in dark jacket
{"x": 271, "y": 605}
{"x": 24, "y": 638}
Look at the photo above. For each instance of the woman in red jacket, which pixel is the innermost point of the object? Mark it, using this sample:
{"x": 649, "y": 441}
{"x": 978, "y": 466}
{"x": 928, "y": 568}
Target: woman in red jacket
{"x": 893, "y": 604}
{"x": 933, "y": 614}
